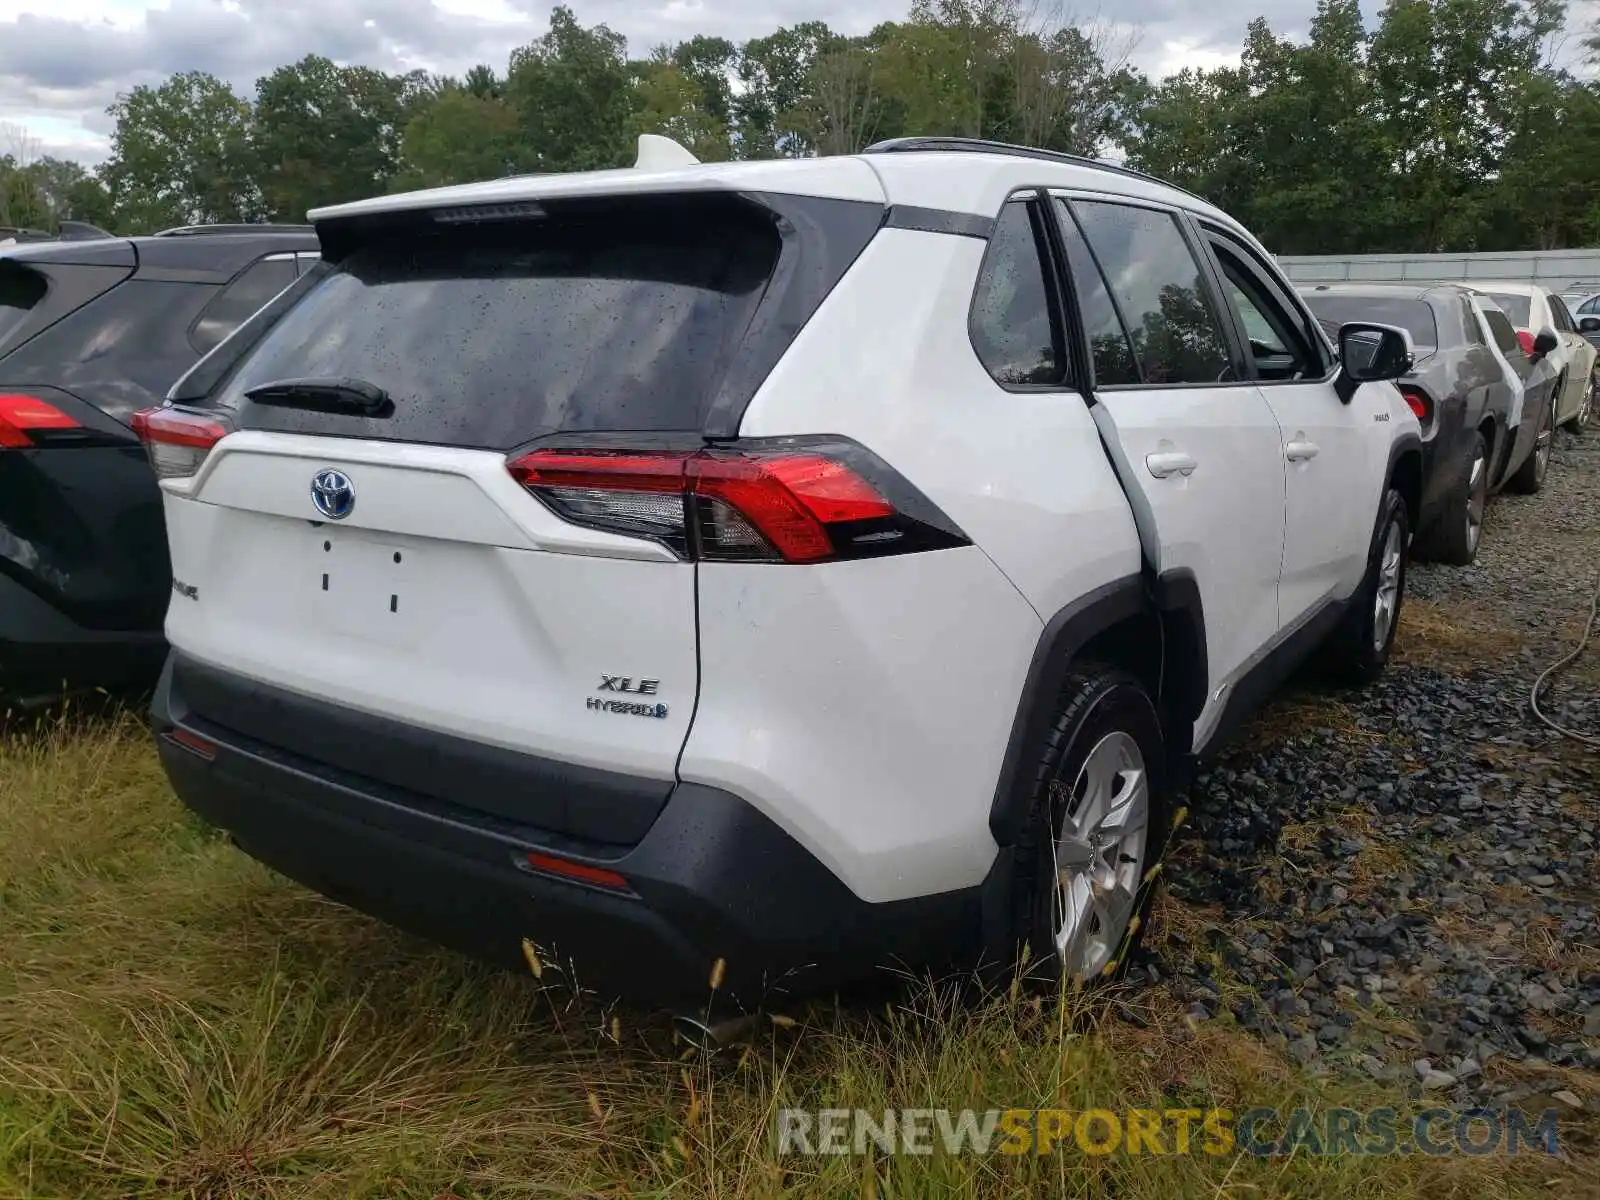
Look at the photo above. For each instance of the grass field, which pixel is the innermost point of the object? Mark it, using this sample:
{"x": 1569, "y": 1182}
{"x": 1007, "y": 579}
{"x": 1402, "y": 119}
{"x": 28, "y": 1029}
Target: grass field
{"x": 177, "y": 1021}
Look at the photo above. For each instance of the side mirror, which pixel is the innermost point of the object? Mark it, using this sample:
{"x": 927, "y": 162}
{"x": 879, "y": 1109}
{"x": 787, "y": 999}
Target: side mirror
{"x": 1546, "y": 343}
{"x": 1589, "y": 325}
{"x": 1369, "y": 354}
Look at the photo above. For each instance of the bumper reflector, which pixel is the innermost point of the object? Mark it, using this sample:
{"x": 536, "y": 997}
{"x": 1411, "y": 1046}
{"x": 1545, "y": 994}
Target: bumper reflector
{"x": 549, "y": 864}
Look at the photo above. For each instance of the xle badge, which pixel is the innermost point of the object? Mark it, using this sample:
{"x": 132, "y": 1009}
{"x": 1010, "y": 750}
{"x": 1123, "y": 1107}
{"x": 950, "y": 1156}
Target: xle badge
{"x": 627, "y": 685}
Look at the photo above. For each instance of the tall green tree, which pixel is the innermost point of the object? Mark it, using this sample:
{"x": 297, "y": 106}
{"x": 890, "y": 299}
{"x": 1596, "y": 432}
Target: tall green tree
{"x": 573, "y": 91}
{"x": 180, "y": 154}
{"x": 460, "y": 136}
{"x": 671, "y": 102}
{"x": 774, "y": 77}
{"x": 324, "y": 134}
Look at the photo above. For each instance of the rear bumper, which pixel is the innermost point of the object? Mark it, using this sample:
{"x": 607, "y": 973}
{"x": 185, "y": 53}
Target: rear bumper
{"x": 711, "y": 879}
{"x": 44, "y": 652}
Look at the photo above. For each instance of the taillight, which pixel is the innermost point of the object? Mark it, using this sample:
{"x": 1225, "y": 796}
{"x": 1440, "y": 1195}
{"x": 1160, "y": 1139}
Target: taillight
{"x": 795, "y": 503}
{"x": 1525, "y": 340}
{"x": 177, "y": 441}
{"x": 1419, "y": 400}
{"x": 25, "y": 420}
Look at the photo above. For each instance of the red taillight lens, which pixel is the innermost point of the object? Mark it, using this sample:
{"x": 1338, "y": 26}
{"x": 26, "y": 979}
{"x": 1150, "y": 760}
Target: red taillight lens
{"x": 1525, "y": 340}
{"x": 23, "y": 416}
{"x": 176, "y": 441}
{"x": 732, "y": 505}
{"x": 788, "y": 501}
{"x": 1419, "y": 402}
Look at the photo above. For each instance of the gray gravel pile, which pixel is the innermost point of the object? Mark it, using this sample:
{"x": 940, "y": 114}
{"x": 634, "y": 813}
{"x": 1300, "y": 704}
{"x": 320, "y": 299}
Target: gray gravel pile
{"x": 1413, "y": 888}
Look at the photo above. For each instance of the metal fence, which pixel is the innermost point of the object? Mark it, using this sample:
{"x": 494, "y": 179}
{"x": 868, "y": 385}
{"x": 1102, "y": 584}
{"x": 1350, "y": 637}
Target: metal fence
{"x": 1568, "y": 272}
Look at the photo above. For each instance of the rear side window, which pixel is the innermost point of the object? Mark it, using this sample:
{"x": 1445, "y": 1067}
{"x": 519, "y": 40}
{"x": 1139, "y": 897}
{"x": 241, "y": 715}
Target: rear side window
{"x": 488, "y": 336}
{"x": 1155, "y": 278}
{"x": 20, "y": 290}
{"x": 1559, "y": 313}
{"x": 1414, "y": 316}
{"x": 1505, "y": 336}
{"x": 258, "y": 283}
{"x": 1109, "y": 347}
{"x": 1015, "y": 335}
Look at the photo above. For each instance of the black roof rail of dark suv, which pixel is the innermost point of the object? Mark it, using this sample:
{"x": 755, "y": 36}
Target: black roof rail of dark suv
{"x": 985, "y": 146}
{"x": 207, "y": 230}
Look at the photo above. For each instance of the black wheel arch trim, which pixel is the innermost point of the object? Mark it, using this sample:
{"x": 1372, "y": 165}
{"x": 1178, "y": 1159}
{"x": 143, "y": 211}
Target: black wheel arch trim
{"x": 1405, "y": 443}
{"x": 1174, "y": 600}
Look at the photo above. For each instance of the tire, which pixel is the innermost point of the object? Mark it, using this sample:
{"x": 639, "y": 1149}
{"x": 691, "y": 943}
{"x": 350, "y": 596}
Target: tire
{"x": 1585, "y": 414}
{"x": 1104, "y": 746}
{"x": 1358, "y": 649}
{"x": 1530, "y": 475}
{"x": 1454, "y": 535}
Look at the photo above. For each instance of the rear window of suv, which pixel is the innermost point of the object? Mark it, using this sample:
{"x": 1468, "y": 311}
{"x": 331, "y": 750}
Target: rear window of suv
{"x": 487, "y": 336}
{"x": 1414, "y": 316}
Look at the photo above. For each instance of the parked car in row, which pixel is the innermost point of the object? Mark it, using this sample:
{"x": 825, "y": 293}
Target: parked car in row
{"x": 1535, "y": 310}
{"x": 91, "y": 331}
{"x": 1484, "y": 405}
{"x": 810, "y": 565}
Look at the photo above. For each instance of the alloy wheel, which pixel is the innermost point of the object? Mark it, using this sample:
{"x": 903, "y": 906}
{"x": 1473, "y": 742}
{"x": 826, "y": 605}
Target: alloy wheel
{"x": 1099, "y": 856}
{"x": 1477, "y": 500}
{"x": 1387, "y": 599}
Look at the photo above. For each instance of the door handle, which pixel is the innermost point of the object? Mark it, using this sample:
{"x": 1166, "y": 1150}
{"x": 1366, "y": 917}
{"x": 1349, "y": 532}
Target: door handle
{"x": 1170, "y": 462}
{"x": 1300, "y": 451}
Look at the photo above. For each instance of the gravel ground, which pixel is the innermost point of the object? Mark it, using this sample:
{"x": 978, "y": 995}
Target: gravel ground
{"x": 1405, "y": 881}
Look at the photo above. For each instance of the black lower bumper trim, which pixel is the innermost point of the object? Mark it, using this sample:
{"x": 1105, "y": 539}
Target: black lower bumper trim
{"x": 713, "y": 878}
{"x": 43, "y": 652}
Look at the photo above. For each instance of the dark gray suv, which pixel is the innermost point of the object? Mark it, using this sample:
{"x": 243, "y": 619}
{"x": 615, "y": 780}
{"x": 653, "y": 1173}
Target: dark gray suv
{"x": 1480, "y": 399}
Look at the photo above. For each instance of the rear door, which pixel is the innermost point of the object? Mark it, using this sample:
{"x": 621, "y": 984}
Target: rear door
{"x": 384, "y": 559}
{"x": 1198, "y": 448}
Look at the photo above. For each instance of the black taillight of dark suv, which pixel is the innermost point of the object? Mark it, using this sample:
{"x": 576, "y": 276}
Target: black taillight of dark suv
{"x": 91, "y": 332}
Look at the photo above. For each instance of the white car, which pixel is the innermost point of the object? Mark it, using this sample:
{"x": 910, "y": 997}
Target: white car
{"x": 809, "y": 565}
{"x": 1536, "y": 310}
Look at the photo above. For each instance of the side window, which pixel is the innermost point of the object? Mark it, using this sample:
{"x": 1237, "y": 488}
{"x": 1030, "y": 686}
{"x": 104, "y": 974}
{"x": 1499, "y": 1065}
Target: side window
{"x": 1276, "y": 342}
{"x": 260, "y": 282}
{"x": 1563, "y": 318}
{"x": 1108, "y": 338}
{"x": 120, "y": 352}
{"x": 1156, "y": 281}
{"x": 304, "y": 259}
{"x": 1013, "y": 330}
{"x": 1590, "y": 306}
{"x": 1474, "y": 327}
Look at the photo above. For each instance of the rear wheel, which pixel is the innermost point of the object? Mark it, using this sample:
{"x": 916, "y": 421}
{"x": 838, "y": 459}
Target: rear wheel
{"x": 1359, "y": 649}
{"x": 1454, "y": 537}
{"x": 1580, "y": 420}
{"x": 1097, "y": 826}
{"x": 1530, "y": 475}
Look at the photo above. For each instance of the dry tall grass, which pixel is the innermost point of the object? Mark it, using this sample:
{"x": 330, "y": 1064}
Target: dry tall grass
{"x": 176, "y": 1021}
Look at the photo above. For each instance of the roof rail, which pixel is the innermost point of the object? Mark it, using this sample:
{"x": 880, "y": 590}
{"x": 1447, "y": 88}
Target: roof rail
{"x": 985, "y": 146}
{"x": 208, "y": 230}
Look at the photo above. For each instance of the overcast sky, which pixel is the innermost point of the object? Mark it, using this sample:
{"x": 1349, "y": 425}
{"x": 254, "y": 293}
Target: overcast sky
{"x": 63, "y": 61}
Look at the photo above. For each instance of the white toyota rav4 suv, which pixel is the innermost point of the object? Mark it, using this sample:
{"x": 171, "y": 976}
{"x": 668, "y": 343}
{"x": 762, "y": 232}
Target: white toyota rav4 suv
{"x": 811, "y": 565}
